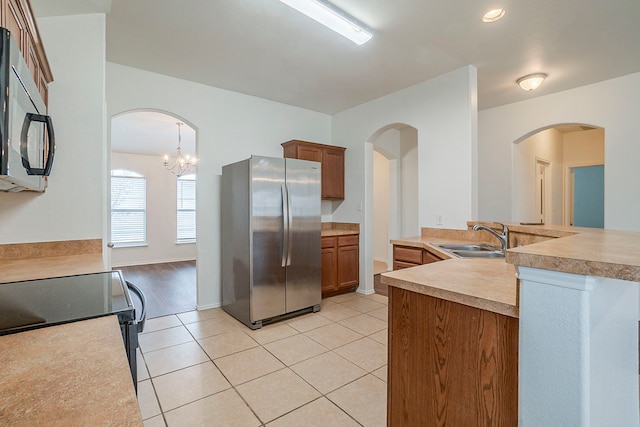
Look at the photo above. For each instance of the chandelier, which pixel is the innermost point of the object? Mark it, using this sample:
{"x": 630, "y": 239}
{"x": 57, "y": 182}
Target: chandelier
{"x": 182, "y": 164}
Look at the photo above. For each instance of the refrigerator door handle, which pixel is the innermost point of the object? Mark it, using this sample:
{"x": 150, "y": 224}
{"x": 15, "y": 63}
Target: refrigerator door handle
{"x": 289, "y": 231}
{"x": 285, "y": 225}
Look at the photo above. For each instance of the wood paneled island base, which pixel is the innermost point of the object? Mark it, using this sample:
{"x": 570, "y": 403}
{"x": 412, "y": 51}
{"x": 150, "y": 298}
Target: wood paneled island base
{"x": 450, "y": 364}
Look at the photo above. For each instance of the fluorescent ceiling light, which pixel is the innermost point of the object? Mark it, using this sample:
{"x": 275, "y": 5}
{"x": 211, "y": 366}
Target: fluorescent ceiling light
{"x": 333, "y": 18}
{"x": 531, "y": 81}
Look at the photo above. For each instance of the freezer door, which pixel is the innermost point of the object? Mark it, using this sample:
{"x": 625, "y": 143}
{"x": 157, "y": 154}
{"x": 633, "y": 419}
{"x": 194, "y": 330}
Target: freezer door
{"x": 267, "y": 237}
{"x": 303, "y": 246}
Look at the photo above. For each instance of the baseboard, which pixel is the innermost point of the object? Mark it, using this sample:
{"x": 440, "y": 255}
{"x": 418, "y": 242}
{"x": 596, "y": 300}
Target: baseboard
{"x": 208, "y": 306}
{"x": 165, "y": 261}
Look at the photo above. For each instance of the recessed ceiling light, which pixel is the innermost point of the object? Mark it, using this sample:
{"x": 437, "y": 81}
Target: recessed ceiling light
{"x": 531, "y": 81}
{"x": 493, "y": 15}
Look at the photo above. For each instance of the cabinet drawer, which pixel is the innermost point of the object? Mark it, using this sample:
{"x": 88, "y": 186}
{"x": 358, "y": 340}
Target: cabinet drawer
{"x": 399, "y": 265}
{"x": 407, "y": 254}
{"x": 429, "y": 257}
{"x": 328, "y": 242}
{"x": 350, "y": 240}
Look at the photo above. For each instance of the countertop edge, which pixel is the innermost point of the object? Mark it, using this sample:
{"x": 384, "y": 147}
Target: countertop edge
{"x": 457, "y": 297}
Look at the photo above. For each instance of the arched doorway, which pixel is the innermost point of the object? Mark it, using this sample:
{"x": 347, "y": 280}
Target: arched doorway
{"x": 393, "y": 200}
{"x": 160, "y": 256}
{"x": 545, "y": 164}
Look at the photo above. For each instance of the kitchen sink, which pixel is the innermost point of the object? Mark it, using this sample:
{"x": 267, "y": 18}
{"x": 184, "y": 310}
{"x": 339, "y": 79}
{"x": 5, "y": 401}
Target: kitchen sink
{"x": 479, "y": 254}
{"x": 466, "y": 247}
{"x": 461, "y": 250}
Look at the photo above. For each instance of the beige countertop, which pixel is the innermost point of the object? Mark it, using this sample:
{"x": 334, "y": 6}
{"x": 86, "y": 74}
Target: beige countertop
{"x": 491, "y": 283}
{"x": 488, "y": 284}
{"x": 330, "y": 229}
{"x": 337, "y": 232}
{"x": 590, "y": 252}
{"x": 74, "y": 374}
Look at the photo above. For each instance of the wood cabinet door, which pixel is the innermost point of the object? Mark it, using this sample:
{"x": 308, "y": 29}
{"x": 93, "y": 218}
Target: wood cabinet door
{"x": 329, "y": 269}
{"x": 475, "y": 379}
{"x": 348, "y": 268}
{"x": 333, "y": 174}
{"x": 13, "y": 21}
{"x": 309, "y": 153}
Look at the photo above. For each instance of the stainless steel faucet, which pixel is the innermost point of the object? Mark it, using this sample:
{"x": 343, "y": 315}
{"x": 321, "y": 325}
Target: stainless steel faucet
{"x": 504, "y": 237}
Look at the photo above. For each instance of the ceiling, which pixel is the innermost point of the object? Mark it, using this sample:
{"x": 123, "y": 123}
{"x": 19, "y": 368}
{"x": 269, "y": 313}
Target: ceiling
{"x": 151, "y": 133}
{"x": 266, "y": 49}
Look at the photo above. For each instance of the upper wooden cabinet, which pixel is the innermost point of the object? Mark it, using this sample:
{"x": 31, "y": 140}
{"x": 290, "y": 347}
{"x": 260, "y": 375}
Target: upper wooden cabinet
{"x": 332, "y": 159}
{"x": 17, "y": 17}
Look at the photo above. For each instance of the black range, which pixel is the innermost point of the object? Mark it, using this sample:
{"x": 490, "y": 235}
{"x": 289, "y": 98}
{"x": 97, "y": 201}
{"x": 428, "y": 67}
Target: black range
{"x": 33, "y": 304}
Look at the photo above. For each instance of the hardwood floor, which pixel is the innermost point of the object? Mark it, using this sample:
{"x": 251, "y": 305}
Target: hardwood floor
{"x": 169, "y": 288}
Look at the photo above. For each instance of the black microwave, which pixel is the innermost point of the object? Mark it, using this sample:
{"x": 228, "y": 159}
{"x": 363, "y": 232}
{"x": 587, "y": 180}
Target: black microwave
{"x": 27, "y": 142}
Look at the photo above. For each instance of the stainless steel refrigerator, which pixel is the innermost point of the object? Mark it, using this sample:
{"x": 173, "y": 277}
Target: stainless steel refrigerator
{"x": 270, "y": 238}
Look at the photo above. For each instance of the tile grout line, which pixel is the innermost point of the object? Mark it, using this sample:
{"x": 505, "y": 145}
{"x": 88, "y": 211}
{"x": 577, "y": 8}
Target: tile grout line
{"x": 286, "y": 366}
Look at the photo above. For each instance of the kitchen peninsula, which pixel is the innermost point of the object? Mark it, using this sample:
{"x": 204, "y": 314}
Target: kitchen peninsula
{"x": 564, "y": 332}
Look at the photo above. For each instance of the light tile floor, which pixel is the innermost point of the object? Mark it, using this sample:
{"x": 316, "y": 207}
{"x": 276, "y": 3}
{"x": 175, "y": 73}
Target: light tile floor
{"x": 204, "y": 368}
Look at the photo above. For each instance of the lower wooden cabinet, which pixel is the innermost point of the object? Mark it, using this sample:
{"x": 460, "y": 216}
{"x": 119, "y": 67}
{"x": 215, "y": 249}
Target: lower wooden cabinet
{"x": 450, "y": 364}
{"x": 407, "y": 256}
{"x": 340, "y": 264}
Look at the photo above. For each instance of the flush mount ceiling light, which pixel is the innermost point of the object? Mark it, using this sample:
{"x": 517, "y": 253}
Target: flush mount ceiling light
{"x": 333, "y": 18}
{"x": 531, "y": 81}
{"x": 493, "y": 15}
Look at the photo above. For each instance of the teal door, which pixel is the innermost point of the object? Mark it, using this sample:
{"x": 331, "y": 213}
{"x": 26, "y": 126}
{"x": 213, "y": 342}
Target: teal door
{"x": 588, "y": 196}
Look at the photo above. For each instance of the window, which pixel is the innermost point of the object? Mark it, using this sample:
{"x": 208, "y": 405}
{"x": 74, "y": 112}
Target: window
{"x": 128, "y": 208}
{"x": 186, "y": 191}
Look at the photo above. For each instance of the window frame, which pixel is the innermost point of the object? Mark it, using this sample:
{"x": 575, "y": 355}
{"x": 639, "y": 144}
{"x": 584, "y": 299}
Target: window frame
{"x": 129, "y": 174}
{"x": 180, "y": 201}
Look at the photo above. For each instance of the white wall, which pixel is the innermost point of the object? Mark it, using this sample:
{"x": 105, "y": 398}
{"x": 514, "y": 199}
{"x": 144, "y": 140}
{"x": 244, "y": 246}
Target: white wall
{"x": 74, "y": 204}
{"x": 230, "y": 127}
{"x": 612, "y": 104}
{"x": 381, "y": 207}
{"x": 443, "y": 112}
{"x": 409, "y": 181}
{"x": 161, "y": 214}
{"x": 584, "y": 147}
{"x": 548, "y": 146}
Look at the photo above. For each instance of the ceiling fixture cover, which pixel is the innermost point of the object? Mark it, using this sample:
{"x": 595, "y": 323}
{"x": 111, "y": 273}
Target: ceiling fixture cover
{"x": 333, "y": 18}
{"x": 182, "y": 165}
{"x": 493, "y": 15}
{"x": 531, "y": 81}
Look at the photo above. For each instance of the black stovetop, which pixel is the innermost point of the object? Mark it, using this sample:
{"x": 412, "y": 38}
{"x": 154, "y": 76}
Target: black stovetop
{"x": 45, "y": 302}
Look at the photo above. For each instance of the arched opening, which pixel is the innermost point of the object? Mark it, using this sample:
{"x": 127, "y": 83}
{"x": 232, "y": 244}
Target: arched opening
{"x": 558, "y": 176}
{"x": 393, "y": 193}
{"x": 163, "y": 263}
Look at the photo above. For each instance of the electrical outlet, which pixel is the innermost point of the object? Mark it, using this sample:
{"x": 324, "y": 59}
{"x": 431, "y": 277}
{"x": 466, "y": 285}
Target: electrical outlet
{"x": 439, "y": 220}
{"x": 359, "y": 206}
